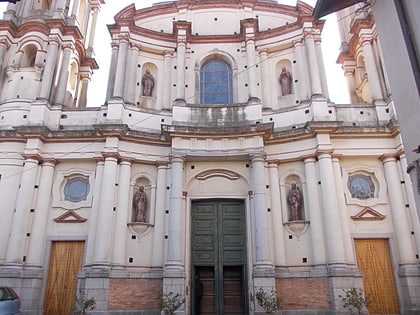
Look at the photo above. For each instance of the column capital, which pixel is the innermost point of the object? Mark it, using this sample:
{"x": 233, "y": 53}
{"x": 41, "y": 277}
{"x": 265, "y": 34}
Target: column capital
{"x": 273, "y": 163}
{"x": 49, "y": 161}
{"x": 162, "y": 164}
{"x": 257, "y": 156}
{"x": 324, "y": 153}
{"x": 125, "y": 160}
{"x": 123, "y": 38}
{"x": 298, "y": 42}
{"x": 309, "y": 158}
{"x": 177, "y": 158}
{"x": 167, "y": 53}
{"x": 388, "y": 157}
{"x": 336, "y": 156}
{"x": 263, "y": 52}
{"x": 29, "y": 156}
{"x": 114, "y": 155}
{"x": 5, "y": 43}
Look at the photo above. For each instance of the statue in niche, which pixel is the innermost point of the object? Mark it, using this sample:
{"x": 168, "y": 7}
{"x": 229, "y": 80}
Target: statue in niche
{"x": 294, "y": 199}
{"x": 148, "y": 83}
{"x": 285, "y": 81}
{"x": 140, "y": 205}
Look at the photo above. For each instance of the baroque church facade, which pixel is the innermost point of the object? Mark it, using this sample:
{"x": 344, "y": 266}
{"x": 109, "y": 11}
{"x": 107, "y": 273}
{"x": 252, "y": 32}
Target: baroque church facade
{"x": 217, "y": 166}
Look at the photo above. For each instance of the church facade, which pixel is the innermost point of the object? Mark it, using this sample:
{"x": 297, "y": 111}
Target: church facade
{"x": 216, "y": 168}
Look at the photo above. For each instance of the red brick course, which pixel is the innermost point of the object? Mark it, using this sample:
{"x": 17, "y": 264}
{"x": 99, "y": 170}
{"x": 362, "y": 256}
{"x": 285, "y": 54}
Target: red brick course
{"x": 135, "y": 294}
{"x": 304, "y": 293}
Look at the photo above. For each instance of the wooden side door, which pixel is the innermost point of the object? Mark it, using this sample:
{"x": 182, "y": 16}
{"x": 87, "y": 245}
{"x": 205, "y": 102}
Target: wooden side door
{"x": 65, "y": 262}
{"x": 374, "y": 260}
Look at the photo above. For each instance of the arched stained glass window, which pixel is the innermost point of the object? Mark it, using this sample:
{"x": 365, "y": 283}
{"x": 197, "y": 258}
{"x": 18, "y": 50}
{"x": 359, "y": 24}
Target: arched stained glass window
{"x": 216, "y": 83}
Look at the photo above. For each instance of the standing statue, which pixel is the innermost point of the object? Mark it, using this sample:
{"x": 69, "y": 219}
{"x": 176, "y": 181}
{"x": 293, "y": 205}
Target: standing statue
{"x": 140, "y": 202}
{"x": 148, "y": 83}
{"x": 295, "y": 203}
{"x": 285, "y": 82}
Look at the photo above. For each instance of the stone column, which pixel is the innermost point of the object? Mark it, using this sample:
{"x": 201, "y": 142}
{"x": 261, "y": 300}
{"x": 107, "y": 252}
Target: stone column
{"x": 93, "y": 218}
{"x": 399, "y": 214}
{"x": 120, "y": 70}
{"x": 104, "y": 231}
{"x": 4, "y": 45}
{"x": 25, "y": 8}
{"x": 412, "y": 203}
{"x": 322, "y": 72}
{"x": 262, "y": 241}
{"x": 167, "y": 76}
{"x": 131, "y": 75}
{"x": 180, "y": 70}
{"x": 313, "y": 63}
{"x": 83, "y": 83}
{"x": 64, "y": 75}
{"x": 175, "y": 231}
{"x": 315, "y": 213}
{"x": 59, "y": 9}
{"x": 93, "y": 21}
{"x": 251, "y": 70}
{"x": 35, "y": 255}
{"x": 344, "y": 217}
{"x": 302, "y": 70}
{"x": 122, "y": 211}
{"x": 335, "y": 245}
{"x": 266, "y": 94}
{"x": 75, "y": 8}
{"x": 351, "y": 84}
{"x": 16, "y": 246}
{"x": 372, "y": 71}
{"x": 112, "y": 70}
{"x": 158, "y": 236}
{"x": 277, "y": 222}
{"x": 49, "y": 69}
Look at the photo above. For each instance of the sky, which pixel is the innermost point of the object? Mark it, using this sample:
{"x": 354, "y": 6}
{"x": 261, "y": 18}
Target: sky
{"x": 102, "y": 48}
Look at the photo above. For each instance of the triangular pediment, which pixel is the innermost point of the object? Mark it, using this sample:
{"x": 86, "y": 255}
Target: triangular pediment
{"x": 70, "y": 217}
{"x": 369, "y": 214}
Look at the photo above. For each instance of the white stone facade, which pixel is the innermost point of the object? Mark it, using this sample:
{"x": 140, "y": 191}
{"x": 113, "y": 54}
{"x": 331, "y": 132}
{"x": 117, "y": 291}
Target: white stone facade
{"x": 69, "y": 173}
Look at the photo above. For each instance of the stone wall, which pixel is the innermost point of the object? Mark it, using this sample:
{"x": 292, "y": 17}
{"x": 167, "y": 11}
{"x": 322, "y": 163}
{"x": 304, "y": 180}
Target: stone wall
{"x": 304, "y": 293}
{"x": 135, "y": 294}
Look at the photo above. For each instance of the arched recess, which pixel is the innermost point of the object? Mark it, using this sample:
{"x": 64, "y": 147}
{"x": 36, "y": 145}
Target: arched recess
{"x": 73, "y": 80}
{"x": 149, "y": 189}
{"x": 284, "y": 66}
{"x": 216, "y": 60}
{"x": 363, "y": 90}
{"x": 149, "y": 72}
{"x": 42, "y": 5}
{"x": 82, "y": 14}
{"x": 28, "y": 57}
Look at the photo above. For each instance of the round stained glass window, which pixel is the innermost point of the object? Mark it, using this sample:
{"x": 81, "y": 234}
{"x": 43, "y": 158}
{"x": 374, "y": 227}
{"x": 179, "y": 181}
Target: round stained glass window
{"x": 76, "y": 189}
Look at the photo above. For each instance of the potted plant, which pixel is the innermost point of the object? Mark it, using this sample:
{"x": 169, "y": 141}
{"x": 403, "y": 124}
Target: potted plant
{"x": 171, "y": 302}
{"x": 355, "y": 300}
{"x": 270, "y": 302}
{"x": 84, "y": 304}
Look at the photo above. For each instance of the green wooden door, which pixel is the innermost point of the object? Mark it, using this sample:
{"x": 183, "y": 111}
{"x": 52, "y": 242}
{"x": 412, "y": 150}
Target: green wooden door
{"x": 218, "y": 258}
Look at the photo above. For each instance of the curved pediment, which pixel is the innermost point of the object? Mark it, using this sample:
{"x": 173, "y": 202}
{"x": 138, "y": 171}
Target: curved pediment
{"x": 217, "y": 173}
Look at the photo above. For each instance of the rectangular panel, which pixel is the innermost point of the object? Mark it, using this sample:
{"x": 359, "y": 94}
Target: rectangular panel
{"x": 374, "y": 260}
{"x": 65, "y": 263}
{"x": 205, "y": 292}
{"x": 233, "y": 298}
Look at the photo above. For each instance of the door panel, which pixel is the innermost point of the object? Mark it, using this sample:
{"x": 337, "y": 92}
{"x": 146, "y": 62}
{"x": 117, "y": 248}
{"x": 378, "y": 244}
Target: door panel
{"x": 65, "y": 263}
{"x": 218, "y": 257}
{"x": 374, "y": 260}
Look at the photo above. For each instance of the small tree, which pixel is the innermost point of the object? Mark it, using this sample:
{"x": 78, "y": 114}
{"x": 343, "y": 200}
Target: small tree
{"x": 355, "y": 300}
{"x": 270, "y": 302}
{"x": 83, "y": 303}
{"x": 171, "y": 302}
